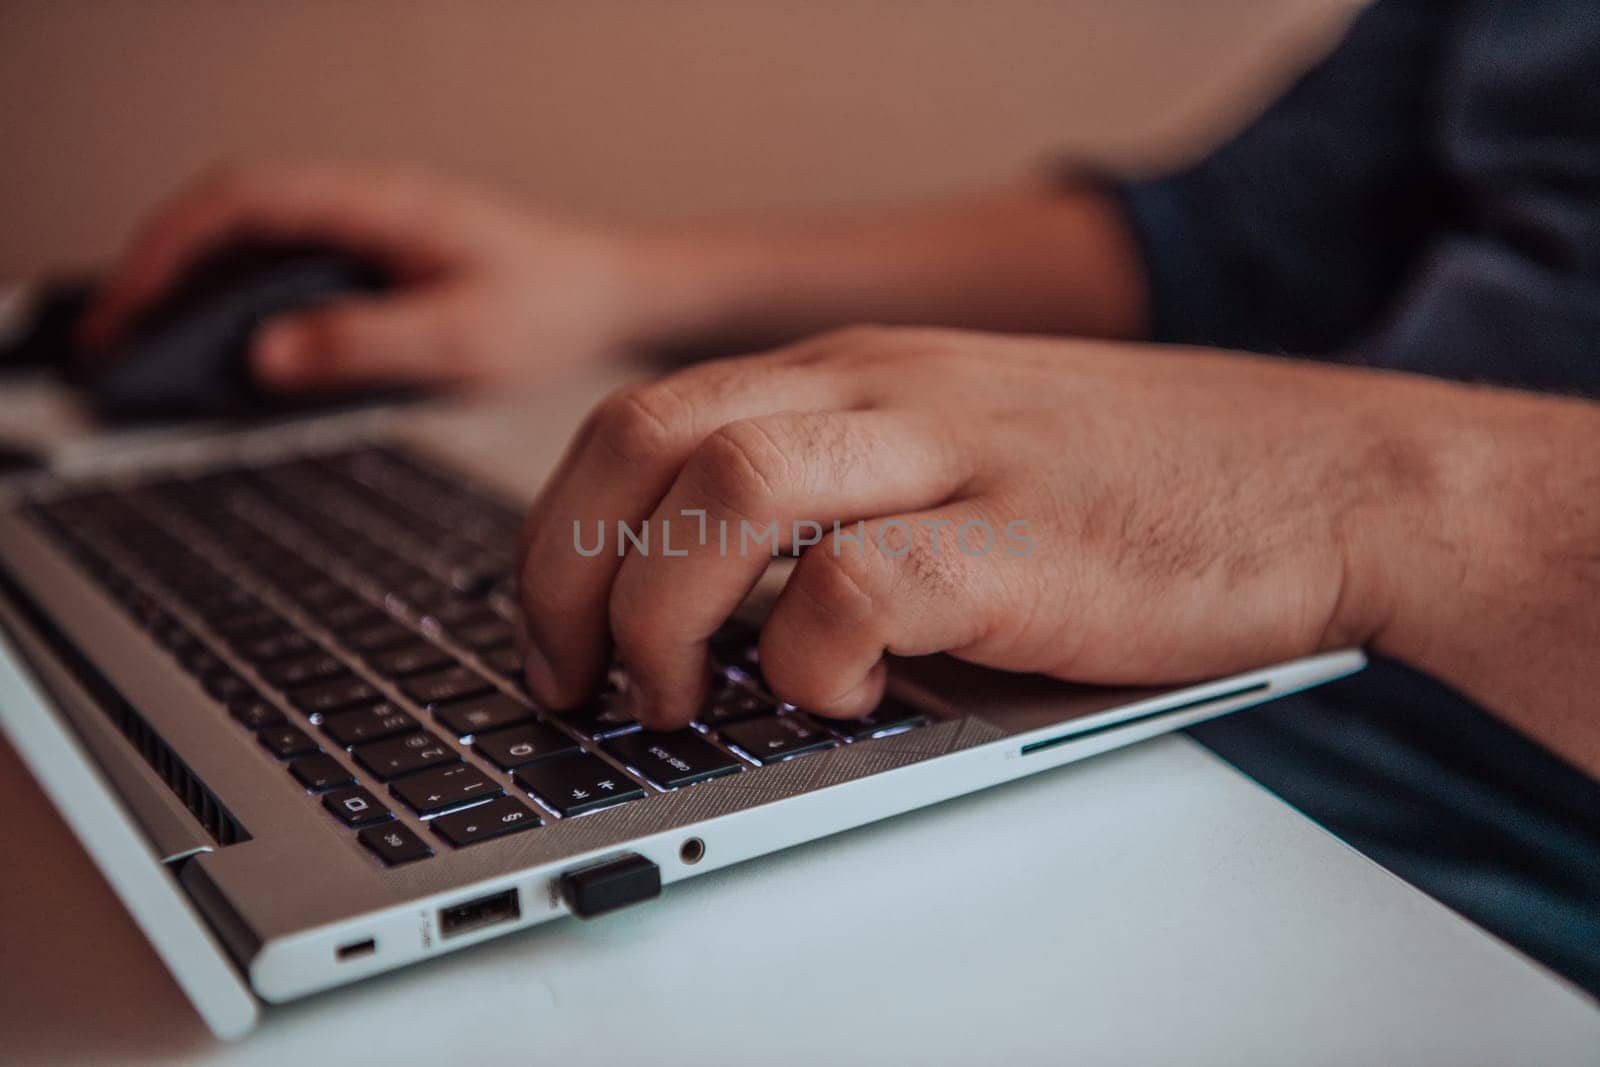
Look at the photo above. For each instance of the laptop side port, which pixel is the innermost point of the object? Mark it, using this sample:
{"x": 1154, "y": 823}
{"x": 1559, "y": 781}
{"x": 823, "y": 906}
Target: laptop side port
{"x": 356, "y": 949}
{"x": 480, "y": 912}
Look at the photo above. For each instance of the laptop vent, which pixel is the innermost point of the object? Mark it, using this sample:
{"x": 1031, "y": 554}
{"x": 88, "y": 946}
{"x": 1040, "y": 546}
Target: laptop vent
{"x": 184, "y": 783}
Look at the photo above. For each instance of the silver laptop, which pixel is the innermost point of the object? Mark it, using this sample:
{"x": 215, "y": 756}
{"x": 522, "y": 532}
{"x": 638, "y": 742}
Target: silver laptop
{"x": 270, "y": 682}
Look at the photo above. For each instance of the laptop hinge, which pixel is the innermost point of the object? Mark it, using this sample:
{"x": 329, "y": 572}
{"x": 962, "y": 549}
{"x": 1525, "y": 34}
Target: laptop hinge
{"x": 177, "y": 859}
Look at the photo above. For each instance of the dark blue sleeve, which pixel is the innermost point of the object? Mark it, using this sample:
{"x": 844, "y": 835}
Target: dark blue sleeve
{"x": 1293, "y": 236}
{"x": 1507, "y": 289}
{"x": 1425, "y": 199}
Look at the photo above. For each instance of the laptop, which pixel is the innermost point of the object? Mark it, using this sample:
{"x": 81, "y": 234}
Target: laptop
{"x": 270, "y": 681}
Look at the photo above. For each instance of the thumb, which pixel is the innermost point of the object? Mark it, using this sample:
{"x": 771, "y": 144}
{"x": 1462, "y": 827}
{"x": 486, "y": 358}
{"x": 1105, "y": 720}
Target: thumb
{"x": 411, "y": 339}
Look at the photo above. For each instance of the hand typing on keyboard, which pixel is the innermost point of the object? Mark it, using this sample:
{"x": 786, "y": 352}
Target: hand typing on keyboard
{"x": 353, "y": 611}
{"x": 1099, "y": 513}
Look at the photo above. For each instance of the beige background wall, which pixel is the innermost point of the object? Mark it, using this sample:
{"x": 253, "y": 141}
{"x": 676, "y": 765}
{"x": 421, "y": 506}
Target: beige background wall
{"x": 649, "y": 110}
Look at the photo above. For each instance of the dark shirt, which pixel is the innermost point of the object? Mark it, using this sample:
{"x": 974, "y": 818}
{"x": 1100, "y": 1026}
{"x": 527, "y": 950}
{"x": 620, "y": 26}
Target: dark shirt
{"x": 1426, "y": 199}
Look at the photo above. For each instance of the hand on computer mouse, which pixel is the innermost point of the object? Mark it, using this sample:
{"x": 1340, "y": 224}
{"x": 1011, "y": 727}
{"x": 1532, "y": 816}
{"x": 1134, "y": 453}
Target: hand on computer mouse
{"x": 488, "y": 290}
{"x": 484, "y": 291}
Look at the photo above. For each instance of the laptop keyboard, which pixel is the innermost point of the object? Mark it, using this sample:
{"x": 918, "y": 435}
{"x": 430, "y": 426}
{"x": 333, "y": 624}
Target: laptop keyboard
{"x": 355, "y": 612}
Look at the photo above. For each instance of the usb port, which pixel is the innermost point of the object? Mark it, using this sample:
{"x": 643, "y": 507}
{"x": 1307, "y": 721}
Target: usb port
{"x": 476, "y": 914}
{"x": 356, "y": 949}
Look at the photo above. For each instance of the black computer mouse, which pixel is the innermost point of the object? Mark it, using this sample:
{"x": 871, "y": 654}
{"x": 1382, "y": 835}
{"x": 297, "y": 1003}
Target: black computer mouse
{"x": 188, "y": 356}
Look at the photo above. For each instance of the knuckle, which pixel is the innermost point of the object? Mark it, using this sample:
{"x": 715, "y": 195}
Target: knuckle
{"x": 739, "y": 469}
{"x": 639, "y": 423}
{"x": 933, "y": 567}
{"x": 936, "y": 570}
{"x": 914, "y": 555}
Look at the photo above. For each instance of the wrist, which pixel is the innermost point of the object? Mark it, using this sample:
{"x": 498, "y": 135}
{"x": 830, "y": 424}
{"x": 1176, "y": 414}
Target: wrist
{"x": 683, "y": 291}
{"x": 1446, "y": 532}
{"x": 1406, "y": 468}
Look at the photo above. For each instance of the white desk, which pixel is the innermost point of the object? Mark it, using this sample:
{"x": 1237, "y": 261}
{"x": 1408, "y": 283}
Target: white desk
{"x": 1147, "y": 906}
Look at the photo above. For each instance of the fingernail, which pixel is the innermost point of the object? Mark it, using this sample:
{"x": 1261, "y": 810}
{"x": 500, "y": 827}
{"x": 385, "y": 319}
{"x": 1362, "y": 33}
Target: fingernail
{"x": 278, "y": 355}
{"x": 541, "y": 678}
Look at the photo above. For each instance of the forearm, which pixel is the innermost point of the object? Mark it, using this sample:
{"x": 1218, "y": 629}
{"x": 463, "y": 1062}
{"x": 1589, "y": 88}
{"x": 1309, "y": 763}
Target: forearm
{"x": 1035, "y": 258}
{"x": 1489, "y": 572}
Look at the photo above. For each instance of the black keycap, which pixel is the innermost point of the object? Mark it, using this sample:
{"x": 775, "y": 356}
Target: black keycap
{"x": 506, "y": 815}
{"x": 356, "y": 807}
{"x": 286, "y": 741}
{"x": 320, "y": 772}
{"x": 147, "y": 612}
{"x": 778, "y": 737}
{"x": 403, "y": 755}
{"x": 226, "y": 686}
{"x": 454, "y": 614}
{"x": 732, "y": 703}
{"x": 380, "y": 635}
{"x": 254, "y": 711}
{"x": 320, "y": 593}
{"x": 485, "y": 635}
{"x": 674, "y": 759}
{"x": 471, "y": 581}
{"x": 350, "y": 617}
{"x": 889, "y": 716}
{"x": 175, "y": 639}
{"x": 215, "y": 605}
{"x": 600, "y": 718}
{"x": 578, "y": 783}
{"x": 521, "y": 745}
{"x": 443, "y": 789}
{"x": 276, "y": 647}
{"x": 395, "y": 844}
{"x": 414, "y": 657}
{"x": 423, "y": 593}
{"x": 251, "y": 625}
{"x": 734, "y": 646}
{"x": 302, "y": 670}
{"x": 482, "y": 713}
{"x": 373, "y": 723}
{"x": 200, "y": 661}
{"x": 333, "y": 695}
{"x": 454, "y": 683}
